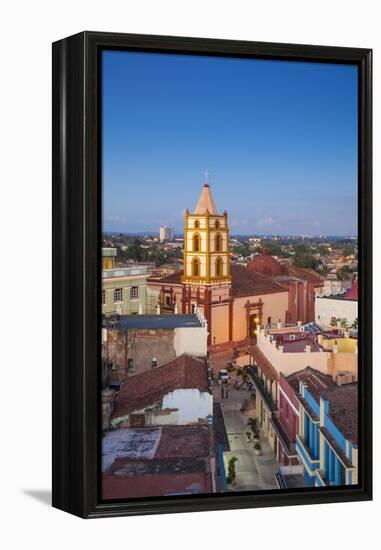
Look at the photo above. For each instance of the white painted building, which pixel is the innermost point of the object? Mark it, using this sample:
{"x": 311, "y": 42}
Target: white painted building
{"x": 177, "y": 393}
{"x": 166, "y": 233}
{"x": 339, "y": 307}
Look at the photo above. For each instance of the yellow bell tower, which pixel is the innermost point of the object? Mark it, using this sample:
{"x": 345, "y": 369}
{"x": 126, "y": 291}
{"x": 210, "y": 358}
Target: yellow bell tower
{"x": 206, "y": 243}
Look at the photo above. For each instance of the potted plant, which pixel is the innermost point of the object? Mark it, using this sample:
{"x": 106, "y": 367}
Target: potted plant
{"x": 231, "y": 471}
{"x": 253, "y": 425}
{"x": 248, "y": 436}
{"x": 257, "y": 449}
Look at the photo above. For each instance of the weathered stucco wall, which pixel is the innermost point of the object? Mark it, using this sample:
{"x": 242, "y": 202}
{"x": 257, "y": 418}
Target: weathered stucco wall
{"x": 192, "y": 341}
{"x": 326, "y": 308}
{"x": 140, "y": 346}
{"x": 192, "y": 405}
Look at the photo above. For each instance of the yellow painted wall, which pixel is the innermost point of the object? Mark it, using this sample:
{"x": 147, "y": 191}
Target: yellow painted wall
{"x": 344, "y": 345}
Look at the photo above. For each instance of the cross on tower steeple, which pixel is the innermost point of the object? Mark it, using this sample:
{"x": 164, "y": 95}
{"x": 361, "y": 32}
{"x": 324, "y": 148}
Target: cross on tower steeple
{"x": 206, "y": 174}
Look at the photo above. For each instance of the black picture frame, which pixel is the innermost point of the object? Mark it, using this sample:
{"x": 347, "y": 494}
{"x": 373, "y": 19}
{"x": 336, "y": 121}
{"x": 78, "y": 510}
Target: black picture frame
{"x": 76, "y": 272}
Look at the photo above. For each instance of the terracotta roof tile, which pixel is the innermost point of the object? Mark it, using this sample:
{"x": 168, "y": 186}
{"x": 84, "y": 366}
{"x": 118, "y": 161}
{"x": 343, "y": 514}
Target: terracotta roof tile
{"x": 250, "y": 283}
{"x": 303, "y": 273}
{"x": 142, "y": 390}
{"x": 315, "y": 381}
{"x": 343, "y": 409}
{"x": 174, "y": 278}
{"x": 264, "y": 364}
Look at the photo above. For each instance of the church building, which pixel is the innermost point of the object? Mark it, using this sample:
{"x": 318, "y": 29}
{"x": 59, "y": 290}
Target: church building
{"x": 233, "y": 298}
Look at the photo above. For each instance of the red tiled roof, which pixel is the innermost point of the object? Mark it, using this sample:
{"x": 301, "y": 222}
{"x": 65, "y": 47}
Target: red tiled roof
{"x": 147, "y": 388}
{"x": 184, "y": 442}
{"x": 303, "y": 273}
{"x": 244, "y": 282}
{"x": 315, "y": 380}
{"x": 343, "y": 409}
{"x": 264, "y": 364}
{"x": 265, "y": 265}
{"x": 173, "y": 278}
{"x": 181, "y": 464}
{"x": 250, "y": 283}
{"x": 137, "y": 486}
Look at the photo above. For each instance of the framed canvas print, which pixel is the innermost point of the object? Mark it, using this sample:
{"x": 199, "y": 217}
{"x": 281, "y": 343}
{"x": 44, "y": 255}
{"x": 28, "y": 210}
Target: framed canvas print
{"x": 212, "y": 274}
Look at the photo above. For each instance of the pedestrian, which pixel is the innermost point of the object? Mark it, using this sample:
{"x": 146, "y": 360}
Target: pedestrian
{"x": 222, "y": 392}
{"x": 227, "y": 393}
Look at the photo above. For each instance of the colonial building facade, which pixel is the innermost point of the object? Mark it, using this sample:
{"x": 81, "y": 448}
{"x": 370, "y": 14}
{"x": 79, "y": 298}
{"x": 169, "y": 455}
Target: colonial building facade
{"x": 234, "y": 299}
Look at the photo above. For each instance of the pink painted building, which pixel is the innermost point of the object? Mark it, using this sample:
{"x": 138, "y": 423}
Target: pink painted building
{"x": 286, "y": 422}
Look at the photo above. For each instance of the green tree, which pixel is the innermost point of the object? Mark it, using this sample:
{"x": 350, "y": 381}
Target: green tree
{"x": 344, "y": 273}
{"x": 135, "y": 251}
{"x": 305, "y": 260}
{"x": 348, "y": 251}
{"x": 323, "y": 250}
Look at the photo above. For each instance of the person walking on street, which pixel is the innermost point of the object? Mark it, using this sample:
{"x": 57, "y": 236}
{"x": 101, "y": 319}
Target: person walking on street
{"x": 222, "y": 392}
{"x": 227, "y": 393}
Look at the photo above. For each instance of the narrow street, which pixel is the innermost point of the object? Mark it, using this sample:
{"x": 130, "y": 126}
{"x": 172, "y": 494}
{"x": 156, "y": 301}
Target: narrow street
{"x": 253, "y": 472}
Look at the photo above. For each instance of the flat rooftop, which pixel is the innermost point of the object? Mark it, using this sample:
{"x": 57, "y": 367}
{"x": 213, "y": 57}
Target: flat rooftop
{"x": 130, "y": 271}
{"x": 155, "y": 322}
{"x": 341, "y": 297}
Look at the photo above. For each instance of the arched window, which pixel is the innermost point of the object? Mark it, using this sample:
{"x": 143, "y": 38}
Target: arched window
{"x": 196, "y": 242}
{"x": 217, "y": 224}
{"x": 218, "y": 242}
{"x": 219, "y": 267}
{"x": 196, "y": 224}
{"x": 196, "y": 267}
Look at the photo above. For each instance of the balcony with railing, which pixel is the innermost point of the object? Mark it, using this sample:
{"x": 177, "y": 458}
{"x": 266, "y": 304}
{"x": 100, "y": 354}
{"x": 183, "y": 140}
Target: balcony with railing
{"x": 261, "y": 388}
{"x": 310, "y": 462}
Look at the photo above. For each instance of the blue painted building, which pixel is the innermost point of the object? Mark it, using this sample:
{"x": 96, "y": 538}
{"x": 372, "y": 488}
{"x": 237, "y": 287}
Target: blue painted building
{"x": 327, "y": 442}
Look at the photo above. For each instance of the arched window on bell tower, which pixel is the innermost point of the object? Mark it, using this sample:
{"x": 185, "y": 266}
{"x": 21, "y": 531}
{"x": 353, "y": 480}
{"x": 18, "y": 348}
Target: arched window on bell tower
{"x": 195, "y": 267}
{"x": 219, "y": 267}
{"x": 218, "y": 242}
{"x": 196, "y": 242}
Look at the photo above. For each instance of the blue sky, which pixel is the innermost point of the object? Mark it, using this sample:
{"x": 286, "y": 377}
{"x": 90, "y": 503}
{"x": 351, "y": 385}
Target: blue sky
{"x": 278, "y": 138}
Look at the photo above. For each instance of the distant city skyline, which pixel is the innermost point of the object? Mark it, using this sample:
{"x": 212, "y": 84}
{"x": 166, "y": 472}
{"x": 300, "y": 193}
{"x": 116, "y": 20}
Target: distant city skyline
{"x": 279, "y": 140}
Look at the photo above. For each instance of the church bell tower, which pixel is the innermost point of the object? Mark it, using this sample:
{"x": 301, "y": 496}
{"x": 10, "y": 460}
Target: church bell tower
{"x": 206, "y": 281}
{"x": 206, "y": 243}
